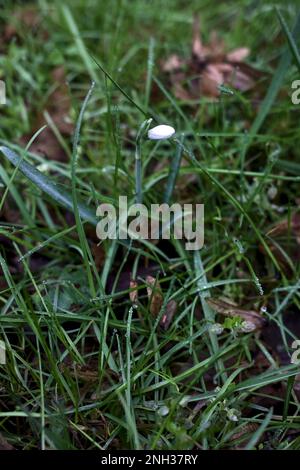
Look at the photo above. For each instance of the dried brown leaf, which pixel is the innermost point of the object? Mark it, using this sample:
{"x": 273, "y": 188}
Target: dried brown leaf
{"x": 181, "y": 93}
{"x": 244, "y": 435}
{"x": 209, "y": 67}
{"x": 240, "y": 80}
{"x": 4, "y": 445}
{"x": 155, "y": 296}
{"x": 58, "y": 108}
{"x": 27, "y": 16}
{"x": 238, "y": 55}
{"x": 86, "y": 372}
{"x": 98, "y": 255}
{"x": 286, "y": 254}
{"x": 224, "y": 68}
{"x": 216, "y": 47}
{"x": 210, "y": 81}
{"x": 169, "y": 314}
{"x": 133, "y": 294}
{"x": 173, "y": 63}
{"x": 197, "y": 46}
{"x": 284, "y": 226}
{"x": 228, "y": 309}
{"x": 296, "y": 386}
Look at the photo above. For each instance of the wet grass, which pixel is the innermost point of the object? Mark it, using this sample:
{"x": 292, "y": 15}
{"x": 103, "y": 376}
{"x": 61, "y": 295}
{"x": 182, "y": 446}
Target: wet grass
{"x": 86, "y": 369}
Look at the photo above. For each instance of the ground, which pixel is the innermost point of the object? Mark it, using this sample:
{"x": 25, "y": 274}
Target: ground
{"x": 147, "y": 345}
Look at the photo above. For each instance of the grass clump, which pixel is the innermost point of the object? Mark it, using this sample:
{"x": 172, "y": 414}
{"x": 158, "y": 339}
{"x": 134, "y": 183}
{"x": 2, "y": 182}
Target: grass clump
{"x": 91, "y": 362}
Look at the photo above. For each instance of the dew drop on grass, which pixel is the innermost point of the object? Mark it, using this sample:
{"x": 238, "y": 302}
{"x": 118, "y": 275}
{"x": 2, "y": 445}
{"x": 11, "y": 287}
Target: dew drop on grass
{"x": 258, "y": 285}
{"x": 239, "y": 245}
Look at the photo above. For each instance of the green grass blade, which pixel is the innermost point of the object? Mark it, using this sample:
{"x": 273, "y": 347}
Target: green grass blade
{"x": 274, "y": 88}
{"x": 174, "y": 169}
{"x": 48, "y": 186}
{"x": 82, "y": 50}
{"x": 259, "y": 432}
{"x": 290, "y": 39}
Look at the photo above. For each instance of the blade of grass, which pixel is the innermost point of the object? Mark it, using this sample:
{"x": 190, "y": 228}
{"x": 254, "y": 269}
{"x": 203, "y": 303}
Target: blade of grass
{"x": 174, "y": 169}
{"x": 289, "y": 390}
{"x": 150, "y": 65}
{"x": 274, "y": 87}
{"x": 290, "y": 39}
{"x": 74, "y": 162}
{"x": 209, "y": 314}
{"x": 66, "y": 12}
{"x": 48, "y": 186}
{"x": 259, "y": 432}
{"x": 120, "y": 88}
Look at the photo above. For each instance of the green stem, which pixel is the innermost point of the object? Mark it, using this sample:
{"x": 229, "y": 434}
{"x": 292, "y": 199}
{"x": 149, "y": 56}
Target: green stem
{"x": 138, "y": 160}
{"x": 138, "y": 174}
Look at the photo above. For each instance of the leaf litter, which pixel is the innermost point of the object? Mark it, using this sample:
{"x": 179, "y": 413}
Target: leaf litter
{"x": 208, "y": 68}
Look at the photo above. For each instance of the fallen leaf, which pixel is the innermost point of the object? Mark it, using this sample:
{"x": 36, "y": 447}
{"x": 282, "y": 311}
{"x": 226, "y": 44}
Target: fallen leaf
{"x": 155, "y": 296}
{"x": 27, "y": 17}
{"x": 133, "y": 294}
{"x": 198, "y": 49}
{"x": 209, "y": 67}
{"x": 180, "y": 92}
{"x": 210, "y": 80}
{"x": 238, "y": 55}
{"x": 231, "y": 310}
{"x": 4, "y": 445}
{"x": 296, "y": 386}
{"x": 286, "y": 254}
{"x": 243, "y": 435}
{"x": 98, "y": 255}
{"x": 88, "y": 373}
{"x": 58, "y": 107}
{"x": 286, "y": 225}
{"x": 169, "y": 314}
{"x": 173, "y": 63}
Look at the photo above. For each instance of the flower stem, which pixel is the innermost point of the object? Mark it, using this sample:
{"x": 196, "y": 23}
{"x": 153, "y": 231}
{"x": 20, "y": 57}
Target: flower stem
{"x": 138, "y": 161}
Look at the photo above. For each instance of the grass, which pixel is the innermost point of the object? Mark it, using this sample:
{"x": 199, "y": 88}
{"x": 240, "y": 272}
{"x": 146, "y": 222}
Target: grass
{"x": 86, "y": 368}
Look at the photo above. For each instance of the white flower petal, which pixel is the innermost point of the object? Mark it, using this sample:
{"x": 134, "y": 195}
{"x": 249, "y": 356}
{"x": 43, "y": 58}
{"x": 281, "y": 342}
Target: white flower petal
{"x": 161, "y": 132}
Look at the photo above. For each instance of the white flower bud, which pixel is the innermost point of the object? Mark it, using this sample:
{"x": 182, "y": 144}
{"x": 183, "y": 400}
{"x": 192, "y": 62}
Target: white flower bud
{"x": 161, "y": 132}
